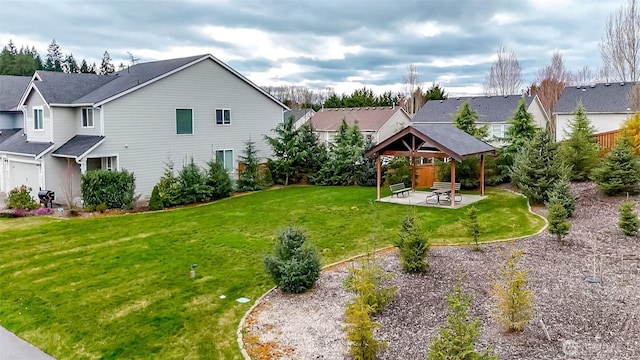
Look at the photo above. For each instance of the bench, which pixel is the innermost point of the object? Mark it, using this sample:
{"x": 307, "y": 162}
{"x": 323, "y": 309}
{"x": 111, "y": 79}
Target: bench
{"x": 444, "y": 188}
{"x": 399, "y": 189}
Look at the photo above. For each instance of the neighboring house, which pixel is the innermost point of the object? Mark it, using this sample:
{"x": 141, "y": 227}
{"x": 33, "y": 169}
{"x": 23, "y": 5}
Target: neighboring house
{"x": 493, "y": 111}
{"x": 606, "y": 105}
{"x": 11, "y": 117}
{"x": 301, "y": 116}
{"x": 138, "y": 119}
{"x": 376, "y": 123}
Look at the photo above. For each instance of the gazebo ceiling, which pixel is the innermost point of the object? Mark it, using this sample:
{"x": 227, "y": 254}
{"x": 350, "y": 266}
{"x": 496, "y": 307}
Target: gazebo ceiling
{"x": 437, "y": 140}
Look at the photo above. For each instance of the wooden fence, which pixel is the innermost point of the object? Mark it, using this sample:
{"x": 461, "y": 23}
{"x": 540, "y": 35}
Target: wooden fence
{"x": 426, "y": 175}
{"x": 606, "y": 140}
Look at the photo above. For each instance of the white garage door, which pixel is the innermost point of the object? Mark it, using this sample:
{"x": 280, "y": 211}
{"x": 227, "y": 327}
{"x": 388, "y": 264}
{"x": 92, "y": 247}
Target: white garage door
{"x": 24, "y": 174}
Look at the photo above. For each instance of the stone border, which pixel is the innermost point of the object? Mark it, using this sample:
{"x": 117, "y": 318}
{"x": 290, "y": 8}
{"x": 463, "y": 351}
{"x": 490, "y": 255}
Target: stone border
{"x": 239, "y": 333}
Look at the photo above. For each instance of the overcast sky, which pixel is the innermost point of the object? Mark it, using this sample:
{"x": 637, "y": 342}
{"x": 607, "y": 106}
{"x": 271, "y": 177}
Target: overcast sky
{"x": 344, "y": 44}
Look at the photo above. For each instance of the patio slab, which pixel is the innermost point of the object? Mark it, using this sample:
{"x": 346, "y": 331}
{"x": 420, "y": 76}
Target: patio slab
{"x": 418, "y": 198}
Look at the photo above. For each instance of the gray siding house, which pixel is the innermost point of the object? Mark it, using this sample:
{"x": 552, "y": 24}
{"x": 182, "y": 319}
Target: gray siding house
{"x": 493, "y": 111}
{"x": 138, "y": 119}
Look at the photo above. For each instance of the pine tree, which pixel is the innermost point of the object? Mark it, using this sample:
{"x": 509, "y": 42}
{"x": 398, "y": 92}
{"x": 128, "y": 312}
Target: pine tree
{"x": 519, "y": 133}
{"x": 250, "y": 176}
{"x": 286, "y": 149}
{"x": 628, "y": 219}
{"x": 557, "y": 217}
{"x": 106, "y": 67}
{"x": 465, "y": 120}
{"x": 536, "y": 168}
{"x": 619, "y": 172}
{"x": 412, "y": 245}
{"x": 70, "y": 65}
{"x": 84, "y": 67}
{"x": 53, "y": 60}
{"x": 359, "y": 331}
{"x": 561, "y": 193}
{"x": 471, "y": 224}
{"x": 580, "y": 150}
{"x": 155, "y": 202}
{"x": 514, "y": 301}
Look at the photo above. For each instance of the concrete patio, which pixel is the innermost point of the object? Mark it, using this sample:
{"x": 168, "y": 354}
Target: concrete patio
{"x": 418, "y": 198}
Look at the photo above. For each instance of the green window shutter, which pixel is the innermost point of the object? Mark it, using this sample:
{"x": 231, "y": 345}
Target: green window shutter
{"x": 184, "y": 121}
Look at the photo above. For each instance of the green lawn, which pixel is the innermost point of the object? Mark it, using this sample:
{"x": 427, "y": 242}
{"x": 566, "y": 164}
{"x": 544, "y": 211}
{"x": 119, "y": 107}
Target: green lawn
{"x": 119, "y": 287}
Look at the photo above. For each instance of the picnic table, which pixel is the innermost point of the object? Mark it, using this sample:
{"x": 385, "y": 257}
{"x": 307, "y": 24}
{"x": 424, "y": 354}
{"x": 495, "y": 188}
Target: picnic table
{"x": 443, "y": 189}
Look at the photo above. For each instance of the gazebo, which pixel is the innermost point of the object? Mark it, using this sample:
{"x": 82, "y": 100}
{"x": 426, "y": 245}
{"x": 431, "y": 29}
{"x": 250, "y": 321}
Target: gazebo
{"x": 432, "y": 141}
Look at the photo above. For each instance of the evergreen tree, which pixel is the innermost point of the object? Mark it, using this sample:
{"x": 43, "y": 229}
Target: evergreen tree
{"x": 536, "y": 168}
{"x": 346, "y": 161}
{"x": 557, "y": 217}
{"x": 155, "y": 202}
{"x": 23, "y": 62}
{"x": 70, "y": 65}
{"x": 519, "y": 133}
{"x": 561, "y": 193}
{"x": 628, "y": 219}
{"x": 250, "y": 176}
{"x": 218, "y": 181}
{"x": 471, "y": 224}
{"x": 413, "y": 246}
{"x": 465, "y": 120}
{"x": 286, "y": 149}
{"x": 313, "y": 153}
{"x": 93, "y": 69}
{"x": 84, "y": 67}
{"x": 435, "y": 92}
{"x": 54, "y": 59}
{"x": 514, "y": 301}
{"x": 106, "y": 67}
{"x": 580, "y": 150}
{"x": 620, "y": 169}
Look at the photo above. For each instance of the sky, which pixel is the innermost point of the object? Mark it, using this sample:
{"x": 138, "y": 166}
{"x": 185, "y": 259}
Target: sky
{"x": 338, "y": 44}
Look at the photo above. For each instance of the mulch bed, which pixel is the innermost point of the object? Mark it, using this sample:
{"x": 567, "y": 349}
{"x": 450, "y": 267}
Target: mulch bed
{"x": 583, "y": 320}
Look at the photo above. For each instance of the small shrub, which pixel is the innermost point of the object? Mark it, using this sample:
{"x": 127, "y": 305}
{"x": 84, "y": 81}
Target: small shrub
{"x": 370, "y": 282}
{"x": 101, "y": 208}
{"x": 398, "y": 171}
{"x": 193, "y": 185}
{"x": 113, "y": 188}
{"x": 413, "y": 246}
{"x": 266, "y": 179}
{"x": 514, "y": 301}
{"x": 557, "y": 216}
{"x": 155, "y": 202}
{"x": 20, "y": 199}
{"x": 218, "y": 181}
{"x": 620, "y": 169}
{"x": 295, "y": 263}
{"x": 44, "y": 211}
{"x": 457, "y": 339}
{"x": 471, "y": 224}
{"x": 21, "y": 213}
{"x": 561, "y": 193}
{"x": 249, "y": 176}
{"x": 359, "y": 331}
{"x": 628, "y": 219}
{"x": 169, "y": 187}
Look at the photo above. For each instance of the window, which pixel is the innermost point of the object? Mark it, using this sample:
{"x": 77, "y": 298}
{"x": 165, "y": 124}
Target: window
{"x": 225, "y": 158}
{"x": 38, "y": 118}
{"x": 223, "y": 116}
{"x": 184, "y": 121}
{"x": 496, "y": 130}
{"x": 87, "y": 117}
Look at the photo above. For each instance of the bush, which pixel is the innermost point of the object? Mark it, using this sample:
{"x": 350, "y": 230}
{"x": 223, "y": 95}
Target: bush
{"x": 370, "y": 282}
{"x": 557, "y": 216}
{"x": 561, "y": 193}
{"x": 249, "y": 176}
{"x": 44, "y": 211}
{"x": 467, "y": 172}
{"x": 113, "y": 188}
{"x": 628, "y": 219}
{"x": 398, "y": 171}
{"x": 359, "y": 331}
{"x": 193, "y": 185}
{"x": 294, "y": 264}
{"x": 458, "y": 338}
{"x": 471, "y": 224}
{"x": 580, "y": 150}
{"x": 169, "y": 187}
{"x": 101, "y": 207}
{"x": 218, "y": 181}
{"x": 620, "y": 170}
{"x": 155, "y": 202}
{"x": 514, "y": 301}
{"x": 413, "y": 246}
{"x": 20, "y": 199}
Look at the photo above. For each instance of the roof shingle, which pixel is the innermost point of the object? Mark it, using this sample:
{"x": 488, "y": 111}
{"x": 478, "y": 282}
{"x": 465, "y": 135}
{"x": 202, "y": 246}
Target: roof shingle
{"x": 598, "y": 98}
{"x": 77, "y": 145}
{"x": 489, "y": 108}
{"x": 369, "y": 118}
{"x": 18, "y": 144}
{"x": 11, "y": 90}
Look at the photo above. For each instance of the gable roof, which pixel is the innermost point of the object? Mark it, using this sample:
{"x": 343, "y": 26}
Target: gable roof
{"x": 296, "y": 113}
{"x": 598, "y": 98}
{"x": 369, "y": 118}
{"x": 11, "y": 90}
{"x": 78, "y": 146}
{"x": 439, "y": 137}
{"x": 5, "y": 134}
{"x": 489, "y": 108}
{"x": 91, "y": 89}
{"x": 18, "y": 144}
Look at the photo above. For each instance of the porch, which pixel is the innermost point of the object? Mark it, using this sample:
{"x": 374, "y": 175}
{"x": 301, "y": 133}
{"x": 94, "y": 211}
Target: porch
{"x": 418, "y": 198}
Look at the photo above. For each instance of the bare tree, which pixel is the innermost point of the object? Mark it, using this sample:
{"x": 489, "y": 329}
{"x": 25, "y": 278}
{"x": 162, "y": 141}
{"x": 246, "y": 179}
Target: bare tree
{"x": 411, "y": 83}
{"x": 505, "y": 75}
{"x": 620, "y": 44}
{"x": 584, "y": 76}
{"x": 634, "y": 98}
{"x": 550, "y": 82}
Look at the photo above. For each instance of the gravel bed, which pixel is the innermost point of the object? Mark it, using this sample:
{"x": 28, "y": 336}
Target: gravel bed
{"x": 583, "y": 320}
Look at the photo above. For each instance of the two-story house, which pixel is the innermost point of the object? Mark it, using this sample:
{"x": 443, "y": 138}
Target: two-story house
{"x": 139, "y": 119}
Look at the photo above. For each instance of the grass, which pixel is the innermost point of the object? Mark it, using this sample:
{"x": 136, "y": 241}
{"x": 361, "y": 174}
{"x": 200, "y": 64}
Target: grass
{"x": 119, "y": 287}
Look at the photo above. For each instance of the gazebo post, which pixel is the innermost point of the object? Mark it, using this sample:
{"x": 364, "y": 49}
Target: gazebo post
{"x": 413, "y": 172}
{"x": 378, "y": 174}
{"x": 482, "y": 175}
{"x": 453, "y": 182}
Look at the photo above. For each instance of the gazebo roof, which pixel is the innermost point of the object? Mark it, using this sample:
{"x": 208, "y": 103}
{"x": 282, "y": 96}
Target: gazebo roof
{"x": 432, "y": 138}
